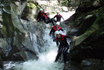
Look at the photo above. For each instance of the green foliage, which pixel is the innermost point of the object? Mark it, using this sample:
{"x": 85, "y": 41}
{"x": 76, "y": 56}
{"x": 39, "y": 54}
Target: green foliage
{"x": 65, "y": 3}
{"x": 7, "y": 23}
{"x": 31, "y": 5}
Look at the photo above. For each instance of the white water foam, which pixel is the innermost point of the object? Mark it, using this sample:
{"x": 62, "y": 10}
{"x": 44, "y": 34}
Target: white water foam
{"x": 46, "y": 58}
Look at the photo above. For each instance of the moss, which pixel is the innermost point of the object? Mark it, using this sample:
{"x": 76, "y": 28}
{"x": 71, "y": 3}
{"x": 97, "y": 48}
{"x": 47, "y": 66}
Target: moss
{"x": 89, "y": 43}
{"x": 31, "y": 5}
{"x": 7, "y": 23}
{"x": 100, "y": 22}
{"x": 65, "y": 3}
{"x": 93, "y": 37}
{"x": 90, "y": 31}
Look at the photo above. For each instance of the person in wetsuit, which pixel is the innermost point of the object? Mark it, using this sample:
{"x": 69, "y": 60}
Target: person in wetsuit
{"x": 40, "y": 15}
{"x": 58, "y": 17}
{"x": 61, "y": 41}
{"x": 55, "y": 28}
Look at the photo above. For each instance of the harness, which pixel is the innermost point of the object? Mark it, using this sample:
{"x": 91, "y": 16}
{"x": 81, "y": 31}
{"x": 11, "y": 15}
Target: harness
{"x": 45, "y": 16}
{"x": 58, "y": 28}
{"x": 61, "y": 47}
{"x": 62, "y": 38}
{"x": 42, "y": 12}
{"x": 58, "y": 16}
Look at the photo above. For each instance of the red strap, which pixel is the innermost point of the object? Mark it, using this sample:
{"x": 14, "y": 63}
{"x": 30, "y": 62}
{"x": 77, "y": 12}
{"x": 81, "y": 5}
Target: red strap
{"x": 42, "y": 12}
{"x": 59, "y": 16}
{"x": 63, "y": 37}
{"x": 59, "y": 28}
{"x": 54, "y": 28}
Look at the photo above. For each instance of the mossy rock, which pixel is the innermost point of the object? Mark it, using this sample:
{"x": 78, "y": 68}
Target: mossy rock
{"x": 31, "y": 5}
{"x": 89, "y": 42}
{"x": 7, "y": 23}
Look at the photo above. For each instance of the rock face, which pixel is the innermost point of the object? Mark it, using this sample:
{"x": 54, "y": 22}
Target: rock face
{"x": 18, "y": 36}
{"x": 89, "y": 20}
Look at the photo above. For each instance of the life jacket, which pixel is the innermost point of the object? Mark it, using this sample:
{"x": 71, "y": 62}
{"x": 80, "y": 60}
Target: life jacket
{"x": 45, "y": 16}
{"x": 56, "y": 28}
{"x": 59, "y": 16}
{"x": 42, "y": 12}
{"x": 62, "y": 38}
{"x": 59, "y": 28}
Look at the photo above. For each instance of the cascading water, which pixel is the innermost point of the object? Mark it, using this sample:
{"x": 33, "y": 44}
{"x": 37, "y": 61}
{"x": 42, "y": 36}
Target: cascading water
{"x": 46, "y": 57}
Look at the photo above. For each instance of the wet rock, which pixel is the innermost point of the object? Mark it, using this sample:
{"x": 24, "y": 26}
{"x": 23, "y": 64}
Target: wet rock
{"x": 30, "y": 11}
{"x": 87, "y": 42}
{"x": 16, "y": 40}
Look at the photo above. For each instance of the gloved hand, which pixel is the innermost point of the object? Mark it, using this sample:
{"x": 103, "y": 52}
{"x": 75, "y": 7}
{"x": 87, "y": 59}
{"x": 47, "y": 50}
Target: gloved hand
{"x": 54, "y": 40}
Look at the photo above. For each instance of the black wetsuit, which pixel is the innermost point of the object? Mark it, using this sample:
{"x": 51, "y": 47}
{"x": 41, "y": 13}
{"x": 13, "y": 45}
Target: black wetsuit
{"x": 58, "y": 18}
{"x": 52, "y": 32}
{"x": 63, "y": 47}
{"x": 46, "y": 19}
{"x": 40, "y": 16}
{"x": 52, "y": 20}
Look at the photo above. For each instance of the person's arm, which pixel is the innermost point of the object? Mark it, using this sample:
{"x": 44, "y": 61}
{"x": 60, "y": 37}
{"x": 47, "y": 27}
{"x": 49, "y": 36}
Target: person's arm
{"x": 55, "y": 16}
{"x": 61, "y": 29}
{"x": 57, "y": 42}
{"x": 51, "y": 32}
{"x": 62, "y": 18}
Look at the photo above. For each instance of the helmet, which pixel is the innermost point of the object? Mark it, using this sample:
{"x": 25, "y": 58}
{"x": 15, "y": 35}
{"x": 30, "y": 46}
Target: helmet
{"x": 60, "y": 32}
{"x": 58, "y": 23}
{"x": 41, "y": 9}
{"x": 57, "y": 12}
{"x": 46, "y": 11}
{"x": 57, "y": 32}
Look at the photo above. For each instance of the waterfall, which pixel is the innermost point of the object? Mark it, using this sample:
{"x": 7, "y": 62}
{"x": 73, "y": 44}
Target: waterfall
{"x": 46, "y": 57}
{"x": 34, "y": 38}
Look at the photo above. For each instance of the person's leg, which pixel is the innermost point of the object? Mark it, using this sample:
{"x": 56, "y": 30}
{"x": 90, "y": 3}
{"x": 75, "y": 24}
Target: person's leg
{"x": 57, "y": 57}
{"x": 64, "y": 57}
{"x": 53, "y": 35}
{"x": 59, "y": 54}
{"x": 65, "y": 54}
{"x": 53, "y": 21}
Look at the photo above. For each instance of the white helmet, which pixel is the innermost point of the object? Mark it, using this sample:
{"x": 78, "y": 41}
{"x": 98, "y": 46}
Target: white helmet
{"x": 41, "y": 9}
{"x": 46, "y": 11}
{"x": 57, "y": 32}
{"x": 58, "y": 23}
{"x": 61, "y": 32}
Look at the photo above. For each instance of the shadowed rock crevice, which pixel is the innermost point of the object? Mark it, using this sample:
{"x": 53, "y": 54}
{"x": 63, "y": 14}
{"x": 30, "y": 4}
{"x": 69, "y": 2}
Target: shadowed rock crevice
{"x": 88, "y": 42}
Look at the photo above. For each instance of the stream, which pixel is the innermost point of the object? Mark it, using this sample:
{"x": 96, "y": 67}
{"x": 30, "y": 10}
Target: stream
{"x": 46, "y": 58}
